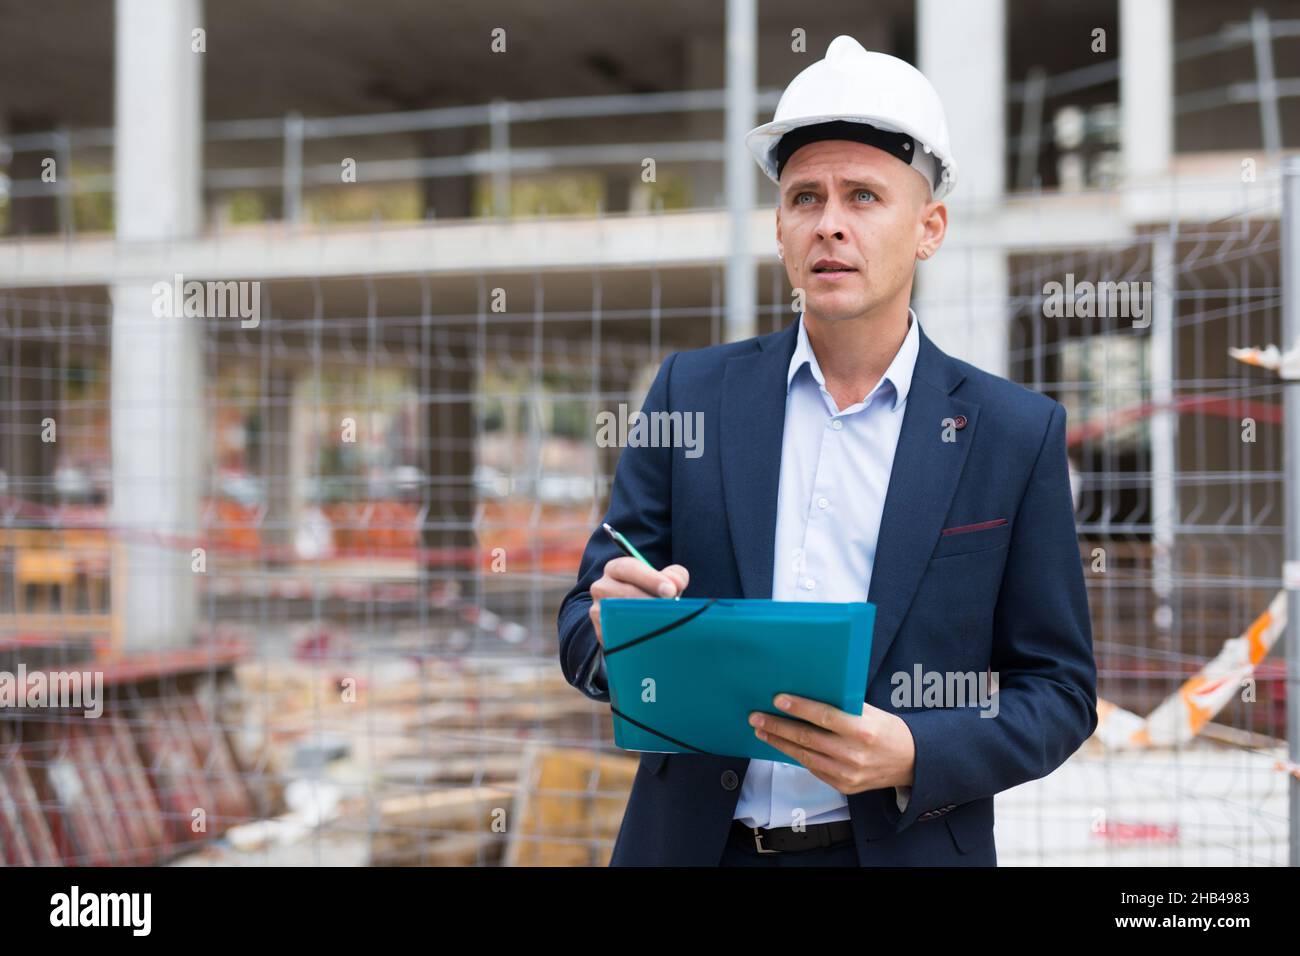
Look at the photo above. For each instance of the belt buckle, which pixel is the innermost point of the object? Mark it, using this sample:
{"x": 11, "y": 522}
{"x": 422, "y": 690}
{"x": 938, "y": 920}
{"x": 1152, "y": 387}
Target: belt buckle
{"x": 758, "y": 841}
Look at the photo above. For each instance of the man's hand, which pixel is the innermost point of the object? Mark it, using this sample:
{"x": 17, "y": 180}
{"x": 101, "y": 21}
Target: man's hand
{"x": 626, "y": 577}
{"x": 852, "y": 753}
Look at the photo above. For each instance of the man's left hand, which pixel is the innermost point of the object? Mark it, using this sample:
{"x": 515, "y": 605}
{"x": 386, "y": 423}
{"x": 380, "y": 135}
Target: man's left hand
{"x": 851, "y": 752}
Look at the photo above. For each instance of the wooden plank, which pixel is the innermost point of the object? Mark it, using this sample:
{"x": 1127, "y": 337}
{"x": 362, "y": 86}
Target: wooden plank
{"x": 24, "y": 837}
{"x": 460, "y": 767}
{"x": 461, "y": 803}
{"x": 76, "y": 800}
{"x": 135, "y": 798}
{"x": 441, "y": 827}
{"x": 570, "y": 806}
{"x": 233, "y": 804}
{"x": 36, "y": 621}
{"x": 124, "y": 832}
{"x": 461, "y": 849}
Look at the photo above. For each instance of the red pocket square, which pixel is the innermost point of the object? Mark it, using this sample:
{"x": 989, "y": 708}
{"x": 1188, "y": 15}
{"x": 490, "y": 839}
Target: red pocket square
{"x": 963, "y": 528}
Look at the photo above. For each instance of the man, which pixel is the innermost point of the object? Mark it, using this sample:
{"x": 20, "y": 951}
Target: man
{"x": 847, "y": 458}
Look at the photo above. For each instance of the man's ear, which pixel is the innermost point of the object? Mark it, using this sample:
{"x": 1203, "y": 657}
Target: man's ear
{"x": 934, "y": 227}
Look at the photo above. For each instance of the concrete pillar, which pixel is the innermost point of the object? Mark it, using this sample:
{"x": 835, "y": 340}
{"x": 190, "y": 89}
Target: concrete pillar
{"x": 157, "y": 372}
{"x": 1146, "y": 88}
{"x": 159, "y": 120}
{"x": 961, "y": 293}
{"x": 962, "y": 50}
{"x": 741, "y": 172}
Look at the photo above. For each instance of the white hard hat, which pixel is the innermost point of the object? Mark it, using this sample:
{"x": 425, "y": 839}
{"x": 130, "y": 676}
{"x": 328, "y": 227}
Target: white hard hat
{"x": 854, "y": 85}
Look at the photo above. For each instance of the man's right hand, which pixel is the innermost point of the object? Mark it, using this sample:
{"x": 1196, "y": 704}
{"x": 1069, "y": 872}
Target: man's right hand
{"x": 626, "y": 577}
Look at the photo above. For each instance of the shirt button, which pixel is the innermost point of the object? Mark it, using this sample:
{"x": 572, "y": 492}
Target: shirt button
{"x": 809, "y": 584}
{"x": 836, "y": 424}
{"x": 823, "y": 503}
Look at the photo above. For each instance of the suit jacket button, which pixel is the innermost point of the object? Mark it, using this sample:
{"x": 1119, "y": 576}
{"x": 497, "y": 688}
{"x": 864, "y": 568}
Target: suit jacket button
{"x": 730, "y": 781}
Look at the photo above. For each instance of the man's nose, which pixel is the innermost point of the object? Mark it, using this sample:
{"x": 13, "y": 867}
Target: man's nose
{"x": 832, "y": 221}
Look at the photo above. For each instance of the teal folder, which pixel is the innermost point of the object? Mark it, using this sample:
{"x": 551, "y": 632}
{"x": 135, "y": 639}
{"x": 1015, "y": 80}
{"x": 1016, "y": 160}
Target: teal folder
{"x": 685, "y": 675}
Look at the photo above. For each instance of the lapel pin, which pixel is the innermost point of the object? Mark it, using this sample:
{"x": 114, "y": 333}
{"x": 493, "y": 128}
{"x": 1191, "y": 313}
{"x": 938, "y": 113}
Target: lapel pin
{"x": 959, "y": 421}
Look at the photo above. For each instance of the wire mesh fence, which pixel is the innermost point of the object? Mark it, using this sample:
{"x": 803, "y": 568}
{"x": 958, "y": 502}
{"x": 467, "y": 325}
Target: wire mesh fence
{"x": 398, "y": 497}
{"x": 1178, "y": 451}
{"x": 395, "y": 503}
{"x": 399, "y": 474}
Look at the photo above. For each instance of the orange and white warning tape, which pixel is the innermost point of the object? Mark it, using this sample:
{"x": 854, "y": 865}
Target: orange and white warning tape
{"x": 1286, "y": 364}
{"x": 1184, "y": 714}
{"x": 1292, "y": 768}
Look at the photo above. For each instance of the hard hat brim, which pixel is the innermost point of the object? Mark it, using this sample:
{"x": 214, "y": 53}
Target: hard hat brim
{"x": 762, "y": 141}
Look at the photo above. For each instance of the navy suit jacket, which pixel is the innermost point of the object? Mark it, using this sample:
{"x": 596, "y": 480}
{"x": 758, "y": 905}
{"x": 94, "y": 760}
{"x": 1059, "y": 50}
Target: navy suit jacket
{"x": 1008, "y": 597}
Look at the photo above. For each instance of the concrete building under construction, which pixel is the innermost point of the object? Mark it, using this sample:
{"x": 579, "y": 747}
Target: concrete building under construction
{"x": 306, "y": 318}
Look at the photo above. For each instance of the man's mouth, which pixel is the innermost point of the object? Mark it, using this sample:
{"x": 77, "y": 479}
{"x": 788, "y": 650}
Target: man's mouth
{"x": 832, "y": 267}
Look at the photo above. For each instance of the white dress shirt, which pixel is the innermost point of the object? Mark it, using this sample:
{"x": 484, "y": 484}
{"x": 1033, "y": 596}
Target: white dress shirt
{"x": 835, "y": 468}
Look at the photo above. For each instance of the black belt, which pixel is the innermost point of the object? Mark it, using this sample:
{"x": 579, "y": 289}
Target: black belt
{"x": 788, "y": 839}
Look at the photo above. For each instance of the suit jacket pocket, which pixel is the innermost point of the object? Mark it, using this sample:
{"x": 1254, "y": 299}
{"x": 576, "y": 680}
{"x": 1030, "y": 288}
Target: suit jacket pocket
{"x": 969, "y": 826}
{"x": 964, "y": 542}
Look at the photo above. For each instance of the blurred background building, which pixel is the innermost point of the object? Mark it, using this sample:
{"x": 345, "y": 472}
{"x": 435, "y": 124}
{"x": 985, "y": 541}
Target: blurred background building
{"x": 316, "y": 546}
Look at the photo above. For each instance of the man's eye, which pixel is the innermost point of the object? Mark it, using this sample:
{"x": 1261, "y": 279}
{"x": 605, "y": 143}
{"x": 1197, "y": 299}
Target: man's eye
{"x": 800, "y": 197}
{"x": 866, "y": 192}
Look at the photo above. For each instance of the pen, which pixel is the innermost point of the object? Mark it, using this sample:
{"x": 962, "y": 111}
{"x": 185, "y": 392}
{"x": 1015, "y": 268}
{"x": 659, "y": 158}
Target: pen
{"x": 625, "y": 546}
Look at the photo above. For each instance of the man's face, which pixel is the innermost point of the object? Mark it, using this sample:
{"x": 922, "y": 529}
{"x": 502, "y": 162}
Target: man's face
{"x": 870, "y": 211}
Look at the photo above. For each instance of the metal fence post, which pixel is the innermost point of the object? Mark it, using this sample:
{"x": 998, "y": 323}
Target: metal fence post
{"x": 67, "y": 213}
{"x": 1261, "y": 35}
{"x": 1291, "y": 480}
{"x": 742, "y": 68}
{"x": 293, "y": 135}
{"x": 1165, "y": 516}
{"x": 500, "y": 139}
{"x": 1029, "y": 149}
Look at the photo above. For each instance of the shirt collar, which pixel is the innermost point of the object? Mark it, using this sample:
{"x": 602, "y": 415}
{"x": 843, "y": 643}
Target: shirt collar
{"x": 898, "y": 375}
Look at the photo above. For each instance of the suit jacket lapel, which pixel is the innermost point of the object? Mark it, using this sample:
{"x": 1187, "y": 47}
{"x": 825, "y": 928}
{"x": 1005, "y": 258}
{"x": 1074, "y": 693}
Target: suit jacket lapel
{"x": 921, "y": 487}
{"x": 751, "y": 433}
